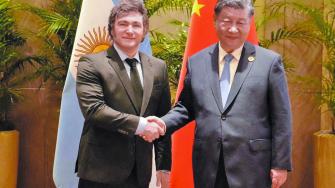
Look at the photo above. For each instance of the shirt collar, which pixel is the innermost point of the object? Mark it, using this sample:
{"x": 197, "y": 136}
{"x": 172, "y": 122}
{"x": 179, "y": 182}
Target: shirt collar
{"x": 236, "y": 53}
{"x": 124, "y": 56}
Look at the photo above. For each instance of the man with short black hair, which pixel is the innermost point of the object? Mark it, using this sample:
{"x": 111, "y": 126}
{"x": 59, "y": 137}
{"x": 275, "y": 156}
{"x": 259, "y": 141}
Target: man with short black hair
{"x": 241, "y": 108}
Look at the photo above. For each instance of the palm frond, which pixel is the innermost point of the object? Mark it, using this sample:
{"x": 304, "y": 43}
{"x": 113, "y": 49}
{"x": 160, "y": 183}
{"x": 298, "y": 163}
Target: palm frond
{"x": 262, "y": 22}
{"x": 170, "y": 48}
{"x": 6, "y": 56}
{"x": 294, "y": 34}
{"x": 8, "y": 96}
{"x": 9, "y": 36}
{"x": 19, "y": 64}
{"x": 178, "y": 23}
{"x": 58, "y": 33}
{"x": 289, "y": 64}
{"x": 155, "y": 6}
{"x": 53, "y": 21}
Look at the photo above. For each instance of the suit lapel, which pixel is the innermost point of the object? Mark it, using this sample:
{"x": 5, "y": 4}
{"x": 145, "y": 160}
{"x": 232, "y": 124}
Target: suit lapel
{"x": 117, "y": 64}
{"x": 213, "y": 76}
{"x": 243, "y": 69}
{"x": 147, "y": 81}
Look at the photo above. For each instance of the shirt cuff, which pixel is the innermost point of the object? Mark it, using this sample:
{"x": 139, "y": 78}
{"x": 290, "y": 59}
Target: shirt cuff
{"x": 141, "y": 125}
{"x": 164, "y": 171}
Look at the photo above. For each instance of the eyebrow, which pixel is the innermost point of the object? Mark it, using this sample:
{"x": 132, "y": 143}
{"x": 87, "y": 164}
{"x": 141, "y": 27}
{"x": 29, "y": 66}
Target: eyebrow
{"x": 128, "y": 21}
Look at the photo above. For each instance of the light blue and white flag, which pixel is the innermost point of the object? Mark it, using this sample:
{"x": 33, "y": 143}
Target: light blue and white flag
{"x": 92, "y": 36}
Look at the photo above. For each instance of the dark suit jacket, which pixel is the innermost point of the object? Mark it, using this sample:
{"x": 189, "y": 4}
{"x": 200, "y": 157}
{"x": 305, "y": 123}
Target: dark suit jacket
{"x": 108, "y": 147}
{"x": 253, "y": 128}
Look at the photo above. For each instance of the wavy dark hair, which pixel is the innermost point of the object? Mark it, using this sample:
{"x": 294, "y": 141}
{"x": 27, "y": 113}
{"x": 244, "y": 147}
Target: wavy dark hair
{"x": 124, "y": 8}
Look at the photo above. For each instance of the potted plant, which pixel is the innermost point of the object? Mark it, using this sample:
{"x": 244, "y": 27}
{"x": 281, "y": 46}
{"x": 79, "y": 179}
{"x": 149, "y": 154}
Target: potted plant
{"x": 324, "y": 140}
{"x": 11, "y": 62}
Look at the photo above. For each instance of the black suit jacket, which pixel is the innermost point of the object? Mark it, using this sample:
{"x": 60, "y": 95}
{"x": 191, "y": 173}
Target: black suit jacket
{"x": 254, "y": 127}
{"x": 108, "y": 147}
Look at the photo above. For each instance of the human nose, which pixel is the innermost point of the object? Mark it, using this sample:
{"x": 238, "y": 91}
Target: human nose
{"x": 233, "y": 28}
{"x": 130, "y": 29}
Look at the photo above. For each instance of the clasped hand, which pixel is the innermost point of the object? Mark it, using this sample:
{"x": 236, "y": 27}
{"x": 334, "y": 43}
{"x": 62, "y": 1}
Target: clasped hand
{"x": 154, "y": 129}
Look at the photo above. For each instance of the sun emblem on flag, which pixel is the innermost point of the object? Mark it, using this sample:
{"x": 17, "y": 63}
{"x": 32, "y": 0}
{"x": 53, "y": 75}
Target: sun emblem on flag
{"x": 94, "y": 41}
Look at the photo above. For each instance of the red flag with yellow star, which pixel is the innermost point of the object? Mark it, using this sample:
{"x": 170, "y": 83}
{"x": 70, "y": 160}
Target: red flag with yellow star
{"x": 201, "y": 34}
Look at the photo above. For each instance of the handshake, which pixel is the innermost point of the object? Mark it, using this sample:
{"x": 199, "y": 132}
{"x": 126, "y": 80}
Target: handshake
{"x": 154, "y": 128}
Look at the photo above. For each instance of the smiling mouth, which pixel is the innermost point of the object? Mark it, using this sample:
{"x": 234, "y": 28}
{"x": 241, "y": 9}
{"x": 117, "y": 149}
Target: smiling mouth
{"x": 232, "y": 38}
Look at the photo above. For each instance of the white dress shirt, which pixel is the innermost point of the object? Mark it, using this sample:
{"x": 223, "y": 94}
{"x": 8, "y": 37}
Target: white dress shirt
{"x": 233, "y": 64}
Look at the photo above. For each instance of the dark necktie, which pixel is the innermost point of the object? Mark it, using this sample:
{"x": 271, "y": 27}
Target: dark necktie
{"x": 135, "y": 83}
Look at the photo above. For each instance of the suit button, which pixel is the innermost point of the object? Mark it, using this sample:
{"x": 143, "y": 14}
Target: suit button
{"x": 223, "y": 117}
{"x": 219, "y": 144}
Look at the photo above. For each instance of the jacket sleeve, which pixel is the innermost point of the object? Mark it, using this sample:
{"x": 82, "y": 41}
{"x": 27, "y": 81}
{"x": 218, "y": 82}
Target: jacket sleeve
{"x": 280, "y": 114}
{"x": 163, "y": 144}
{"x": 91, "y": 100}
{"x": 182, "y": 113}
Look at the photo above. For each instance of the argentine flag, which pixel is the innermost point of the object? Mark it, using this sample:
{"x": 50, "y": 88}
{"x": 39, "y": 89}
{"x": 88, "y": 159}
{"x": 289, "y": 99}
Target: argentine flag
{"x": 92, "y": 36}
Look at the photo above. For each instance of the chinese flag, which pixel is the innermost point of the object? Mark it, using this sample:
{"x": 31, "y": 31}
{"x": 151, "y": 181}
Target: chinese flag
{"x": 201, "y": 34}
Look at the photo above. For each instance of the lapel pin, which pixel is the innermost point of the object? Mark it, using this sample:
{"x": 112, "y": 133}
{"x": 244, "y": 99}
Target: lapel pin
{"x": 251, "y": 58}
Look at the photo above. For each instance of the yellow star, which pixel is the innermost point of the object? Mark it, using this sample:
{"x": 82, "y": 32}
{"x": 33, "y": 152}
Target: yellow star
{"x": 196, "y": 7}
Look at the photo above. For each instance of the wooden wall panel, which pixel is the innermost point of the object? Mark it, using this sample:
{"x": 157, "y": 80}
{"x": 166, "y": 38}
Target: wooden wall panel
{"x": 36, "y": 117}
{"x": 29, "y": 121}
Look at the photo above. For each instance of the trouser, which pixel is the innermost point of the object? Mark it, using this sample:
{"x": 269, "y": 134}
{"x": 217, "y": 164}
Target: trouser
{"x": 221, "y": 178}
{"x": 130, "y": 182}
